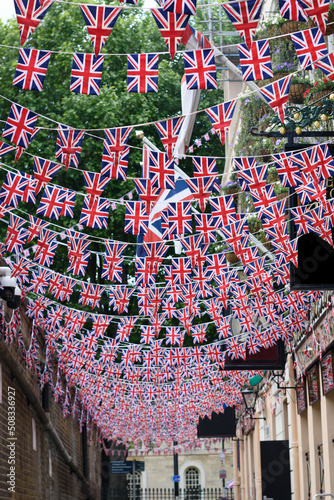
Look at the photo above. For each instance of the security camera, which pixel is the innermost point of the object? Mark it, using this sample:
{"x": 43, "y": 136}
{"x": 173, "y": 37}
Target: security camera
{"x": 8, "y": 286}
{"x": 16, "y": 301}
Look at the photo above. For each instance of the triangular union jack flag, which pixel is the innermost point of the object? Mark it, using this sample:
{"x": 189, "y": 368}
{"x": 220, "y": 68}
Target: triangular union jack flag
{"x": 143, "y": 73}
{"x": 31, "y": 69}
{"x": 171, "y": 26}
{"x": 292, "y": 10}
{"x": 68, "y": 147}
{"x": 95, "y": 212}
{"x": 147, "y": 193}
{"x": 95, "y": 183}
{"x": 86, "y": 74}
{"x": 161, "y": 170}
{"x": 100, "y": 21}
{"x": 200, "y": 69}
{"x": 317, "y": 10}
{"x": 5, "y": 149}
{"x": 310, "y": 46}
{"x": 288, "y": 172}
{"x": 46, "y": 247}
{"x": 255, "y": 62}
{"x": 52, "y": 202}
{"x": 29, "y": 14}
{"x": 168, "y": 131}
{"x": 276, "y": 94}
{"x": 20, "y": 126}
{"x": 44, "y": 171}
{"x": 78, "y": 253}
{"x": 16, "y": 234}
{"x": 221, "y": 117}
{"x": 113, "y": 148}
{"x": 13, "y": 188}
{"x": 245, "y": 17}
{"x": 180, "y": 6}
{"x": 113, "y": 260}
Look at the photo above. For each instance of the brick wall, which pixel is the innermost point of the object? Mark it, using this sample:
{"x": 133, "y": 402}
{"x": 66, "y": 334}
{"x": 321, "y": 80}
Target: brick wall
{"x": 41, "y": 473}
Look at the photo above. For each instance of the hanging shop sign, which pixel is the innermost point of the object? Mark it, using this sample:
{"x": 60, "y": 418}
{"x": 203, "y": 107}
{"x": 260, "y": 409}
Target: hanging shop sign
{"x": 301, "y": 395}
{"x": 313, "y": 385}
{"x": 327, "y": 372}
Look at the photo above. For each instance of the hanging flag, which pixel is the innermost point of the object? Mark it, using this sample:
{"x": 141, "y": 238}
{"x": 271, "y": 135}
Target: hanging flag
{"x": 12, "y": 189}
{"x": 136, "y": 218}
{"x": 78, "y": 253}
{"x": 29, "y": 14}
{"x": 223, "y": 210}
{"x": 86, "y": 74}
{"x": 35, "y": 225}
{"x": 16, "y": 234}
{"x": 5, "y": 149}
{"x": 221, "y": 117}
{"x": 292, "y": 10}
{"x": 276, "y": 94}
{"x": 52, "y": 202}
{"x": 200, "y": 69}
{"x": 255, "y": 62}
{"x": 143, "y": 73}
{"x": 20, "y": 126}
{"x": 119, "y": 298}
{"x": 147, "y": 193}
{"x": 206, "y": 224}
{"x": 95, "y": 183}
{"x": 204, "y": 166}
{"x": 44, "y": 171}
{"x": 202, "y": 187}
{"x": 99, "y": 20}
{"x": 317, "y": 10}
{"x": 245, "y": 17}
{"x": 90, "y": 294}
{"x": 171, "y": 26}
{"x": 115, "y": 156}
{"x": 180, "y": 6}
{"x": 161, "y": 170}
{"x": 310, "y": 46}
{"x": 40, "y": 281}
{"x": 68, "y": 205}
{"x": 29, "y": 192}
{"x": 326, "y": 64}
{"x": 113, "y": 260}
{"x": 168, "y": 131}
{"x": 31, "y": 69}
{"x": 46, "y": 247}
{"x": 179, "y": 217}
{"x": 95, "y": 212}
{"x": 288, "y": 172}
{"x": 68, "y": 147}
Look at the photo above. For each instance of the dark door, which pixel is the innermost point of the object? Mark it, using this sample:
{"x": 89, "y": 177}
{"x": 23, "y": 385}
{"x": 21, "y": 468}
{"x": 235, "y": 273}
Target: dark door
{"x": 275, "y": 468}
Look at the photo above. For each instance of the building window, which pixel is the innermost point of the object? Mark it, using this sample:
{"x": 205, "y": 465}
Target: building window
{"x": 137, "y": 485}
{"x": 192, "y": 483}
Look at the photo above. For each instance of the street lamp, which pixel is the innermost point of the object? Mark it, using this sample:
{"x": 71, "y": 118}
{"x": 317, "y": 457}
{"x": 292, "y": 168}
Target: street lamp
{"x": 249, "y": 397}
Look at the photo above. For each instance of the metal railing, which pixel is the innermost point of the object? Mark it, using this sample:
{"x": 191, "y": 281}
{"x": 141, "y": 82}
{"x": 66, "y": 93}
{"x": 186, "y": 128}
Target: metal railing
{"x": 169, "y": 494}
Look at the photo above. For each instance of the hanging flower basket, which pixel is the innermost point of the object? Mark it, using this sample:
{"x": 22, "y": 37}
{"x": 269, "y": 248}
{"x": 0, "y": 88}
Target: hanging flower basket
{"x": 296, "y": 93}
{"x": 232, "y": 258}
{"x": 277, "y": 76}
{"x": 322, "y": 95}
{"x": 289, "y": 27}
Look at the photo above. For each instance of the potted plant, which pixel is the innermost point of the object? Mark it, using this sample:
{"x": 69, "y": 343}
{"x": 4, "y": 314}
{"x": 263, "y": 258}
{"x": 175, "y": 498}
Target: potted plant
{"x": 298, "y": 86}
{"x": 320, "y": 90}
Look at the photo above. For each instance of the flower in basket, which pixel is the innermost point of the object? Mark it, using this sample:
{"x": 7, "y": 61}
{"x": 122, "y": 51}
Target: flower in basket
{"x": 284, "y": 67}
{"x": 319, "y": 85}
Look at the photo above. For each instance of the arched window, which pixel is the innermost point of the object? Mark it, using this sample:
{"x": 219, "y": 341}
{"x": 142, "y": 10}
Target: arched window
{"x": 137, "y": 485}
{"x": 192, "y": 484}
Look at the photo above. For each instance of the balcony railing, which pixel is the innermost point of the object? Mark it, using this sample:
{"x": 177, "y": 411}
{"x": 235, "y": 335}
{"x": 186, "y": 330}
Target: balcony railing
{"x": 168, "y": 494}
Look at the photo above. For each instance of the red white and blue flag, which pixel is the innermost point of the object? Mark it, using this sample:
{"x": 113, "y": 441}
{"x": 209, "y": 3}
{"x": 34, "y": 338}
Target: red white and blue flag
{"x": 29, "y": 14}
{"x": 244, "y": 16}
{"x": 113, "y": 260}
{"x": 100, "y": 21}
{"x": 221, "y": 117}
{"x": 276, "y": 94}
{"x": 46, "y": 247}
{"x": 44, "y": 171}
{"x": 31, "y": 69}
{"x": 112, "y": 169}
{"x": 86, "y": 74}
{"x": 5, "y": 149}
{"x": 68, "y": 147}
{"x": 200, "y": 69}
{"x": 12, "y": 189}
{"x": 95, "y": 212}
{"x": 20, "y": 126}
{"x": 255, "y": 62}
{"x": 147, "y": 193}
{"x": 310, "y": 46}
{"x": 180, "y": 6}
{"x": 292, "y": 10}
{"x": 113, "y": 147}
{"x": 95, "y": 183}
{"x": 52, "y": 202}
{"x": 317, "y": 10}
{"x": 168, "y": 131}
{"x": 326, "y": 64}
{"x": 179, "y": 217}
{"x": 143, "y": 73}
{"x": 161, "y": 170}
{"x": 171, "y": 26}
{"x": 204, "y": 166}
{"x": 136, "y": 218}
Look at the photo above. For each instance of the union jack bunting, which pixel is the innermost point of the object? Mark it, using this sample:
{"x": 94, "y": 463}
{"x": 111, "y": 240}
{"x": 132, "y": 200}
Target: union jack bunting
{"x": 90, "y": 294}
{"x": 136, "y": 218}
{"x": 52, "y": 202}
{"x": 206, "y": 224}
{"x": 119, "y": 298}
{"x": 5, "y": 149}
{"x": 288, "y": 172}
{"x": 16, "y": 234}
{"x": 181, "y": 269}
{"x": 29, "y": 14}
{"x": 78, "y": 253}
{"x": 233, "y": 234}
{"x": 44, "y": 171}
{"x": 20, "y": 268}
{"x": 204, "y": 166}
{"x": 200, "y": 69}
{"x": 95, "y": 212}
{"x": 35, "y": 224}
{"x": 154, "y": 254}
{"x": 255, "y": 62}
{"x": 69, "y": 202}
{"x": 168, "y": 131}
{"x": 29, "y": 192}
{"x": 95, "y": 183}
{"x": 173, "y": 335}
{"x": 143, "y": 272}
{"x": 46, "y": 247}
{"x": 112, "y": 169}
{"x": 171, "y": 26}
{"x": 31, "y": 69}
{"x": 221, "y": 116}
{"x": 40, "y": 280}
{"x": 179, "y": 217}
{"x": 292, "y": 10}
{"x": 113, "y": 260}
{"x": 310, "y": 46}
{"x": 326, "y": 64}
{"x": 12, "y": 189}
{"x": 143, "y": 73}
{"x": 86, "y": 74}
{"x": 180, "y": 6}
{"x": 223, "y": 210}
{"x": 20, "y": 126}
{"x": 194, "y": 248}
{"x": 325, "y": 161}
{"x": 307, "y": 163}
{"x": 317, "y": 10}
{"x": 245, "y": 17}
{"x": 276, "y": 94}
{"x": 264, "y": 198}
{"x": 147, "y": 193}
{"x": 68, "y": 147}
{"x": 161, "y": 170}
{"x": 274, "y": 214}
{"x": 99, "y": 21}
{"x": 113, "y": 147}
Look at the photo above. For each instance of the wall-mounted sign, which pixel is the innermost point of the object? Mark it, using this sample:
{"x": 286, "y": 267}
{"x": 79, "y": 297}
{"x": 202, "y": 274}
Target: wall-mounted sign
{"x": 313, "y": 385}
{"x": 301, "y": 395}
{"x": 327, "y": 373}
